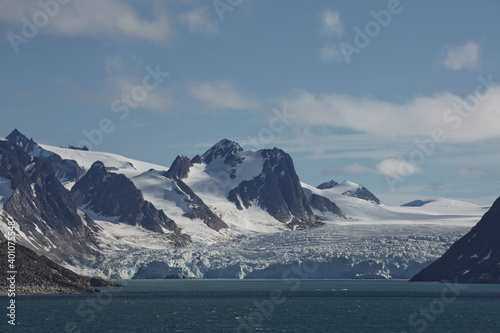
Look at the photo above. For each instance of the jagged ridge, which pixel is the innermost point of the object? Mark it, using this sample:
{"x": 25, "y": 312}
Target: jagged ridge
{"x": 43, "y": 208}
{"x": 114, "y": 195}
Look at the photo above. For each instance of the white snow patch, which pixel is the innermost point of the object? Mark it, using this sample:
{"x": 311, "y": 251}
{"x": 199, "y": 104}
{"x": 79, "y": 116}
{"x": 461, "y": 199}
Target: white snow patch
{"x": 474, "y": 256}
{"x": 82, "y": 217}
{"x": 38, "y": 229}
{"x": 5, "y": 191}
{"x": 127, "y": 166}
{"x": 488, "y": 256}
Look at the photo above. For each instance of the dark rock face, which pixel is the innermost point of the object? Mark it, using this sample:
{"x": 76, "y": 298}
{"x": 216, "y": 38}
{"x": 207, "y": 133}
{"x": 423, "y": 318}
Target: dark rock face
{"x": 226, "y": 149}
{"x": 84, "y": 148}
{"x": 325, "y": 205}
{"x": 199, "y": 210}
{"x": 416, "y": 203}
{"x": 474, "y": 258}
{"x": 43, "y": 208}
{"x": 363, "y": 193}
{"x": 65, "y": 170}
{"x": 197, "y": 159}
{"x": 179, "y": 168}
{"x": 277, "y": 190}
{"x": 111, "y": 195}
{"x": 39, "y": 275}
{"x": 327, "y": 185}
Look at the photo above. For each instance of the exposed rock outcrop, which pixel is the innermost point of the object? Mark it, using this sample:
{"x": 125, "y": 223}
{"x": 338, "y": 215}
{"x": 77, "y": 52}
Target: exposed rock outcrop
{"x": 474, "y": 258}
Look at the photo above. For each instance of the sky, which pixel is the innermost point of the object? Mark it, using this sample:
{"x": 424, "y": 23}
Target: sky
{"x": 399, "y": 96}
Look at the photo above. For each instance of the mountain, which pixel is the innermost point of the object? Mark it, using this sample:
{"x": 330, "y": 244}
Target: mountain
{"x": 350, "y": 189}
{"x": 416, "y": 203}
{"x": 46, "y": 218}
{"x": 114, "y": 195}
{"x": 40, "y": 275}
{"x": 66, "y": 170}
{"x": 438, "y": 202}
{"x": 196, "y": 209}
{"x": 325, "y": 205}
{"x": 225, "y": 213}
{"x": 179, "y": 168}
{"x": 327, "y": 185}
{"x": 474, "y": 258}
{"x": 276, "y": 189}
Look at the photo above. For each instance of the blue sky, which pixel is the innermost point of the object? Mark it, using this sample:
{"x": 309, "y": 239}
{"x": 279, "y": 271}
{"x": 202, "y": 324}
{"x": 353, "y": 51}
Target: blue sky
{"x": 400, "y": 96}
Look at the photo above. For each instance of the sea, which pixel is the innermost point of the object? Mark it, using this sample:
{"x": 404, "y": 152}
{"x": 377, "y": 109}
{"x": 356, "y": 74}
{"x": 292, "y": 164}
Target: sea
{"x": 263, "y": 306}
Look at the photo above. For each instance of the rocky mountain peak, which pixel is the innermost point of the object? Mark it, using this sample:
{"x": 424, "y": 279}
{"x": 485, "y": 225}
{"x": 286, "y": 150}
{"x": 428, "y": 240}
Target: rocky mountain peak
{"x": 114, "y": 195}
{"x": 64, "y": 169}
{"x": 43, "y": 208}
{"x": 225, "y": 148}
{"x": 197, "y": 159}
{"x": 362, "y": 193}
{"x": 350, "y": 189}
{"x": 327, "y": 185}
{"x": 179, "y": 168}
{"x": 277, "y": 190}
{"x": 21, "y": 140}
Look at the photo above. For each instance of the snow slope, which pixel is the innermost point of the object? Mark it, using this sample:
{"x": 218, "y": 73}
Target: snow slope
{"x": 127, "y": 166}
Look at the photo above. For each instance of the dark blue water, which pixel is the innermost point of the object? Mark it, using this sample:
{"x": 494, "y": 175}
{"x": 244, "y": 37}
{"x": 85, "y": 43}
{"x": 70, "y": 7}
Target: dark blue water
{"x": 264, "y": 306}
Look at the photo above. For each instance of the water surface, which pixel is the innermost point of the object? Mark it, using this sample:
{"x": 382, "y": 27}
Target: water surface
{"x": 265, "y": 306}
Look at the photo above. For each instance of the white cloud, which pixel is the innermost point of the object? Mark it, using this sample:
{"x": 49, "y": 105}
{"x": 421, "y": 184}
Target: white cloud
{"x": 397, "y": 168}
{"x": 330, "y": 53}
{"x": 159, "y": 100}
{"x": 460, "y": 57}
{"x": 475, "y": 118}
{"x": 394, "y": 168}
{"x": 469, "y": 173}
{"x": 92, "y": 18}
{"x": 198, "y": 21}
{"x": 223, "y": 95}
{"x": 354, "y": 168}
{"x": 331, "y": 24}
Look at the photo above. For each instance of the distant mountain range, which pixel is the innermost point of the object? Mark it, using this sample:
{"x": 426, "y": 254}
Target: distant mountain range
{"x": 55, "y": 221}
{"x": 225, "y": 213}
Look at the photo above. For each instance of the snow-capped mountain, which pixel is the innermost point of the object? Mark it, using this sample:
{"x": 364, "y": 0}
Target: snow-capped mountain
{"x": 276, "y": 189}
{"x": 66, "y": 170}
{"x": 327, "y": 185}
{"x": 350, "y": 189}
{"x": 45, "y": 217}
{"x": 235, "y": 213}
{"x": 114, "y": 195}
{"x": 474, "y": 258}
